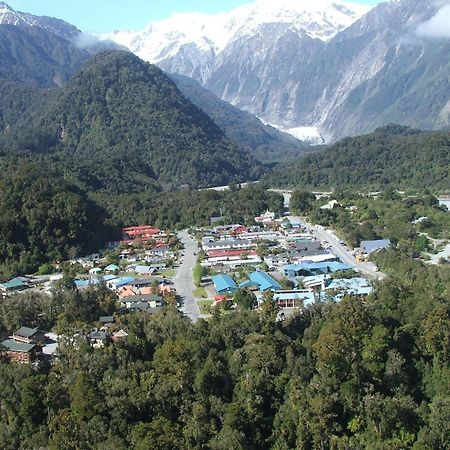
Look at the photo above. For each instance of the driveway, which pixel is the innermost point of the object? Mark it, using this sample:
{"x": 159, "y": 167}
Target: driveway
{"x": 184, "y": 280}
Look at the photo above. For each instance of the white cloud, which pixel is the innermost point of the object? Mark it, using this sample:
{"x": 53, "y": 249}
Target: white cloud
{"x": 438, "y": 26}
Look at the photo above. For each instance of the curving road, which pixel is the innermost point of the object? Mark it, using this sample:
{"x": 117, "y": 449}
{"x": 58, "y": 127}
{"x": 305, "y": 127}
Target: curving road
{"x": 184, "y": 280}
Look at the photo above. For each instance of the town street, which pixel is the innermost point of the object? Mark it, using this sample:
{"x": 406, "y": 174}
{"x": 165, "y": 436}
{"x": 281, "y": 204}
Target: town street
{"x": 184, "y": 280}
{"x": 366, "y": 268}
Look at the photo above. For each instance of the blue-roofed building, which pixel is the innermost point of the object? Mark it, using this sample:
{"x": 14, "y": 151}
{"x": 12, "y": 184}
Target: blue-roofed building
{"x": 262, "y": 281}
{"x": 107, "y": 278}
{"x": 16, "y": 284}
{"x": 112, "y": 268}
{"x": 359, "y": 287}
{"x": 224, "y": 284}
{"x": 306, "y": 269}
{"x": 85, "y": 283}
{"x": 369, "y": 247}
{"x": 119, "y": 282}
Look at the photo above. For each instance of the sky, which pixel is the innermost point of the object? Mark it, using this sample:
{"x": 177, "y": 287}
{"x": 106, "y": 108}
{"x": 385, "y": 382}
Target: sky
{"x": 108, "y": 15}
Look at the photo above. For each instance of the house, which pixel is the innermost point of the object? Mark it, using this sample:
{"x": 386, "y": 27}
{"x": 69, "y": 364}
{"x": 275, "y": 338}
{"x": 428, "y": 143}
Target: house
{"x": 112, "y": 268}
{"x": 224, "y": 284}
{"x": 29, "y": 336}
{"x": 106, "y": 320}
{"x": 332, "y": 204}
{"x": 126, "y": 291}
{"x": 120, "y": 335}
{"x": 148, "y": 300}
{"x": 16, "y": 284}
{"x": 143, "y": 270}
{"x": 369, "y": 247}
{"x": 19, "y": 351}
{"x": 262, "y": 281}
{"x": 98, "y": 338}
{"x": 266, "y": 217}
{"x": 95, "y": 271}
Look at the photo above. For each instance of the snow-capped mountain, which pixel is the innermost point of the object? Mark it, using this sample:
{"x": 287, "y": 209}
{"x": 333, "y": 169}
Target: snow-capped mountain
{"x": 197, "y": 39}
{"x": 9, "y": 16}
{"x": 319, "y": 67}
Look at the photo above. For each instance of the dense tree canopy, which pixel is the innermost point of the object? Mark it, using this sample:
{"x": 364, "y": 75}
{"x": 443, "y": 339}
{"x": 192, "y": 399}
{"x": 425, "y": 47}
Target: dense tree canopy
{"x": 393, "y": 156}
{"x": 367, "y": 373}
{"x": 45, "y": 219}
{"x": 122, "y": 125}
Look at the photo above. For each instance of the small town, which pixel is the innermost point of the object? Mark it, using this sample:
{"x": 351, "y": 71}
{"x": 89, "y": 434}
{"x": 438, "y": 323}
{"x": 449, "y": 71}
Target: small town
{"x": 225, "y": 225}
{"x": 283, "y": 260}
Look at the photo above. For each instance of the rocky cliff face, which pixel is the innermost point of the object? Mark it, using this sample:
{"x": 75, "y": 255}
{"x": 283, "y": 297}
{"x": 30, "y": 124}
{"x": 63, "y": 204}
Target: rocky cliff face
{"x": 330, "y": 66}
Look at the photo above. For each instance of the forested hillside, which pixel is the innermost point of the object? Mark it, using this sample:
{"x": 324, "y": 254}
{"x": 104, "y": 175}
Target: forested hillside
{"x": 264, "y": 142}
{"x": 361, "y": 374}
{"x": 393, "y": 156}
{"x": 45, "y": 219}
{"x": 120, "y": 122}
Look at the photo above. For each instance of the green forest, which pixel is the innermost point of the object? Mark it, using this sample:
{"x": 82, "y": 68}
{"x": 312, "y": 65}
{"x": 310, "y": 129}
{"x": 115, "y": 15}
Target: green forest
{"x": 121, "y": 125}
{"x": 360, "y": 374}
{"x": 393, "y": 157}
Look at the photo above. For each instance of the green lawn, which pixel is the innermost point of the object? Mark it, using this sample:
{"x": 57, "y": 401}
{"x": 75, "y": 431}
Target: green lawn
{"x": 204, "y": 306}
{"x": 168, "y": 273}
{"x": 200, "y": 293}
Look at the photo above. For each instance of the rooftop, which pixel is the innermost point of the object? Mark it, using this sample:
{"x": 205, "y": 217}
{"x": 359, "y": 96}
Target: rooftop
{"x": 13, "y": 346}
{"x": 224, "y": 283}
{"x": 264, "y": 281}
{"x": 26, "y": 332}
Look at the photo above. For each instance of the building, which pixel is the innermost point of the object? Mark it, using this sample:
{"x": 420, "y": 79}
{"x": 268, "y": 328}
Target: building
{"x": 358, "y": 287}
{"x": 224, "y": 284}
{"x": 306, "y": 269}
{"x": 228, "y": 244}
{"x": 112, "y": 268}
{"x": 148, "y": 300}
{"x": 266, "y": 217}
{"x": 369, "y": 247}
{"x": 294, "y": 298}
{"x": 332, "y": 204}
{"x": 140, "y": 233}
{"x": 29, "y": 336}
{"x": 262, "y": 281}
{"x": 16, "y": 284}
{"x": 19, "y": 351}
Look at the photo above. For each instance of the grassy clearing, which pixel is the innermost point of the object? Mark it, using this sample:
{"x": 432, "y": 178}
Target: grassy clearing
{"x": 168, "y": 273}
{"x": 200, "y": 293}
{"x": 205, "y": 305}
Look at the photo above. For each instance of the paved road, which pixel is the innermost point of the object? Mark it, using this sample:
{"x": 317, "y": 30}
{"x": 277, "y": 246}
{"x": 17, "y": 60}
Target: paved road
{"x": 366, "y": 268}
{"x": 184, "y": 281}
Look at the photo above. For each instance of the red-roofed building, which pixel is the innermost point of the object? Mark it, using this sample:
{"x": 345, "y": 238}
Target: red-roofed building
{"x": 232, "y": 253}
{"x": 143, "y": 233}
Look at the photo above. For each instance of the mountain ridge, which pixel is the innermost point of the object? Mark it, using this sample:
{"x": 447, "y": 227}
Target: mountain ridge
{"x": 343, "y": 85}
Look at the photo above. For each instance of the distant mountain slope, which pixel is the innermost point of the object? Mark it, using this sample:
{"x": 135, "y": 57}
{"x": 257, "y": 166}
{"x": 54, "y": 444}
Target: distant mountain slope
{"x": 42, "y": 51}
{"x": 314, "y": 64}
{"x": 264, "y": 142}
{"x": 393, "y": 156}
{"x": 120, "y": 124}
